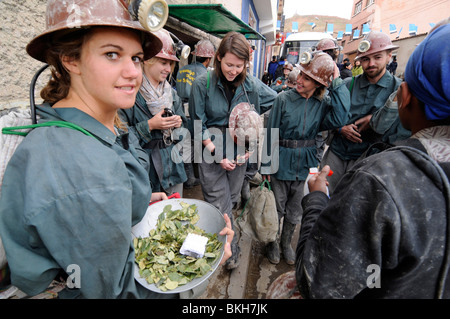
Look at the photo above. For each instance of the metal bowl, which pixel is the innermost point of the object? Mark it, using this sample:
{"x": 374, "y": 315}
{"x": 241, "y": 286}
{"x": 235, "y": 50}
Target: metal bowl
{"x": 211, "y": 221}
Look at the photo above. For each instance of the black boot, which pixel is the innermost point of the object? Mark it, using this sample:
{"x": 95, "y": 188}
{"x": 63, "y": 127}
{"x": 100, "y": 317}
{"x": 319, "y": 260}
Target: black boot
{"x": 273, "y": 248}
{"x": 273, "y": 252}
{"x": 192, "y": 180}
{"x": 233, "y": 261}
{"x": 286, "y": 238}
{"x": 245, "y": 192}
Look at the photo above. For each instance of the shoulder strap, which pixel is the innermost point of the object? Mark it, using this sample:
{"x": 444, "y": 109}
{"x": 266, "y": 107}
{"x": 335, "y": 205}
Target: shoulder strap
{"x": 14, "y": 130}
{"x": 351, "y": 84}
{"x": 207, "y": 81}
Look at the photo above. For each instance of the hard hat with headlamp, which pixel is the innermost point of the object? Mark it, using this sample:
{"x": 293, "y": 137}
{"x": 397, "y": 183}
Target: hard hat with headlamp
{"x": 171, "y": 46}
{"x": 168, "y": 50}
{"x": 318, "y": 66}
{"x": 182, "y": 49}
{"x": 62, "y": 19}
{"x": 374, "y": 42}
{"x": 204, "y": 48}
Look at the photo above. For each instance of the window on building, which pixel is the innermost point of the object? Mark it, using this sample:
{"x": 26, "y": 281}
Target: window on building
{"x": 353, "y": 33}
{"x": 358, "y": 7}
{"x": 369, "y": 2}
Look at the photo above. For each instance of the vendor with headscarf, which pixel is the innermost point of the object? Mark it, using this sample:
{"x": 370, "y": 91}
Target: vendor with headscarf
{"x": 387, "y": 224}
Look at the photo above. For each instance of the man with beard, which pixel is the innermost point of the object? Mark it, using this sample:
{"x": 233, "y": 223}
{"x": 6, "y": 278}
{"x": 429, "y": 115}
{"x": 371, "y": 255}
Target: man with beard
{"x": 369, "y": 92}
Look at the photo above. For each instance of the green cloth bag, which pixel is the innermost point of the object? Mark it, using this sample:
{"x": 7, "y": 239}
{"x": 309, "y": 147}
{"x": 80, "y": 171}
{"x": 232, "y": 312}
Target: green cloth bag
{"x": 259, "y": 218}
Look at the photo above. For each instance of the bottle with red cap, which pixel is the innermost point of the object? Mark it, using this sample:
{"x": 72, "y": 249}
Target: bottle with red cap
{"x": 312, "y": 171}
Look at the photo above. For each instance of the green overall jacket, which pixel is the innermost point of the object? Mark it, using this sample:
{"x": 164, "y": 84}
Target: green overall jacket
{"x": 167, "y": 167}
{"x": 68, "y": 202}
{"x": 209, "y": 107}
{"x": 300, "y": 119}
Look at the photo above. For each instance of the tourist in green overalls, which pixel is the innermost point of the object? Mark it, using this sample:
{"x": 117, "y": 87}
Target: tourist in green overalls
{"x": 213, "y": 97}
{"x": 149, "y": 119}
{"x": 299, "y": 115}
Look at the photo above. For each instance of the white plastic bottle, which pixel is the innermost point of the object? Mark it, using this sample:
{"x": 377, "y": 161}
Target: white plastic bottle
{"x": 312, "y": 171}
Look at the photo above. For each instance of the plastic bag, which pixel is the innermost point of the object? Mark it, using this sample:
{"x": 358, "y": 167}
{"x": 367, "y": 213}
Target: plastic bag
{"x": 259, "y": 219}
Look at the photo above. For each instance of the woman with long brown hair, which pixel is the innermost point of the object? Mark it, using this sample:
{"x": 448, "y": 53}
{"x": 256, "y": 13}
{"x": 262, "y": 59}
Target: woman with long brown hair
{"x": 213, "y": 97}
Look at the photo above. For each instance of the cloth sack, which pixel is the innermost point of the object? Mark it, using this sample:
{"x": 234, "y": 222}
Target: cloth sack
{"x": 8, "y": 144}
{"x": 259, "y": 218}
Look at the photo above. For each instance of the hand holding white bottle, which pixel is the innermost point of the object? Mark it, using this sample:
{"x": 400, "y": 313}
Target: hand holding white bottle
{"x": 312, "y": 172}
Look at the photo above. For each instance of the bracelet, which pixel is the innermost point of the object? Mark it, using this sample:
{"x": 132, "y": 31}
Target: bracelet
{"x": 339, "y": 130}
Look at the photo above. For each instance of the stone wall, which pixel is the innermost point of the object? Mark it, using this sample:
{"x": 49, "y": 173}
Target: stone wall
{"x": 21, "y": 21}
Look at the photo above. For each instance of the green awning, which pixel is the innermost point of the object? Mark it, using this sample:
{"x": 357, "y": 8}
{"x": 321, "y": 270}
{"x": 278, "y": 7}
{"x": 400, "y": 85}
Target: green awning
{"x": 213, "y": 19}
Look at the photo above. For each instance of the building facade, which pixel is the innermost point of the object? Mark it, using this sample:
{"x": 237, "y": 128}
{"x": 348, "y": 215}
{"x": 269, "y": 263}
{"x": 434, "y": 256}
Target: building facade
{"x": 406, "y": 22}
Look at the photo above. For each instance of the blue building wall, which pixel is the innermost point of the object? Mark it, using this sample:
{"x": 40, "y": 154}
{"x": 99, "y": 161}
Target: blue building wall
{"x": 246, "y": 4}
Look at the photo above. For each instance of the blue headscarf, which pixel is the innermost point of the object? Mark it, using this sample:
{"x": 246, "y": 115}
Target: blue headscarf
{"x": 428, "y": 73}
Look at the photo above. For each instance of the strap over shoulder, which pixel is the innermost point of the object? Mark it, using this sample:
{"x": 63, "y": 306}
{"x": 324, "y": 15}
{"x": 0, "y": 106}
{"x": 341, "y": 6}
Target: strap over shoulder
{"x": 15, "y": 130}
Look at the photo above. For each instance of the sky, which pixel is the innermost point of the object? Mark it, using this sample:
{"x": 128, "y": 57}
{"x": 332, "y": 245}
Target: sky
{"x": 339, "y": 8}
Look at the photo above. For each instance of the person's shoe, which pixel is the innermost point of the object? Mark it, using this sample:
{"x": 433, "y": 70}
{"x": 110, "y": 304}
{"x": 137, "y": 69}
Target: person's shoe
{"x": 286, "y": 238}
{"x": 233, "y": 261}
{"x": 191, "y": 182}
{"x": 245, "y": 192}
{"x": 273, "y": 252}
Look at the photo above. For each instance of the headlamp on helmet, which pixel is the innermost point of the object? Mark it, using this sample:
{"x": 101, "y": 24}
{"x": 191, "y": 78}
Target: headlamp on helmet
{"x": 305, "y": 57}
{"x": 374, "y": 42}
{"x": 152, "y": 14}
{"x": 182, "y": 49}
{"x": 364, "y": 46}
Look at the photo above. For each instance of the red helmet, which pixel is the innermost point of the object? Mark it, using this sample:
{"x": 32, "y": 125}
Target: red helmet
{"x": 374, "y": 42}
{"x": 320, "y": 68}
{"x": 86, "y": 13}
{"x": 326, "y": 44}
{"x": 204, "y": 48}
{"x": 168, "y": 50}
